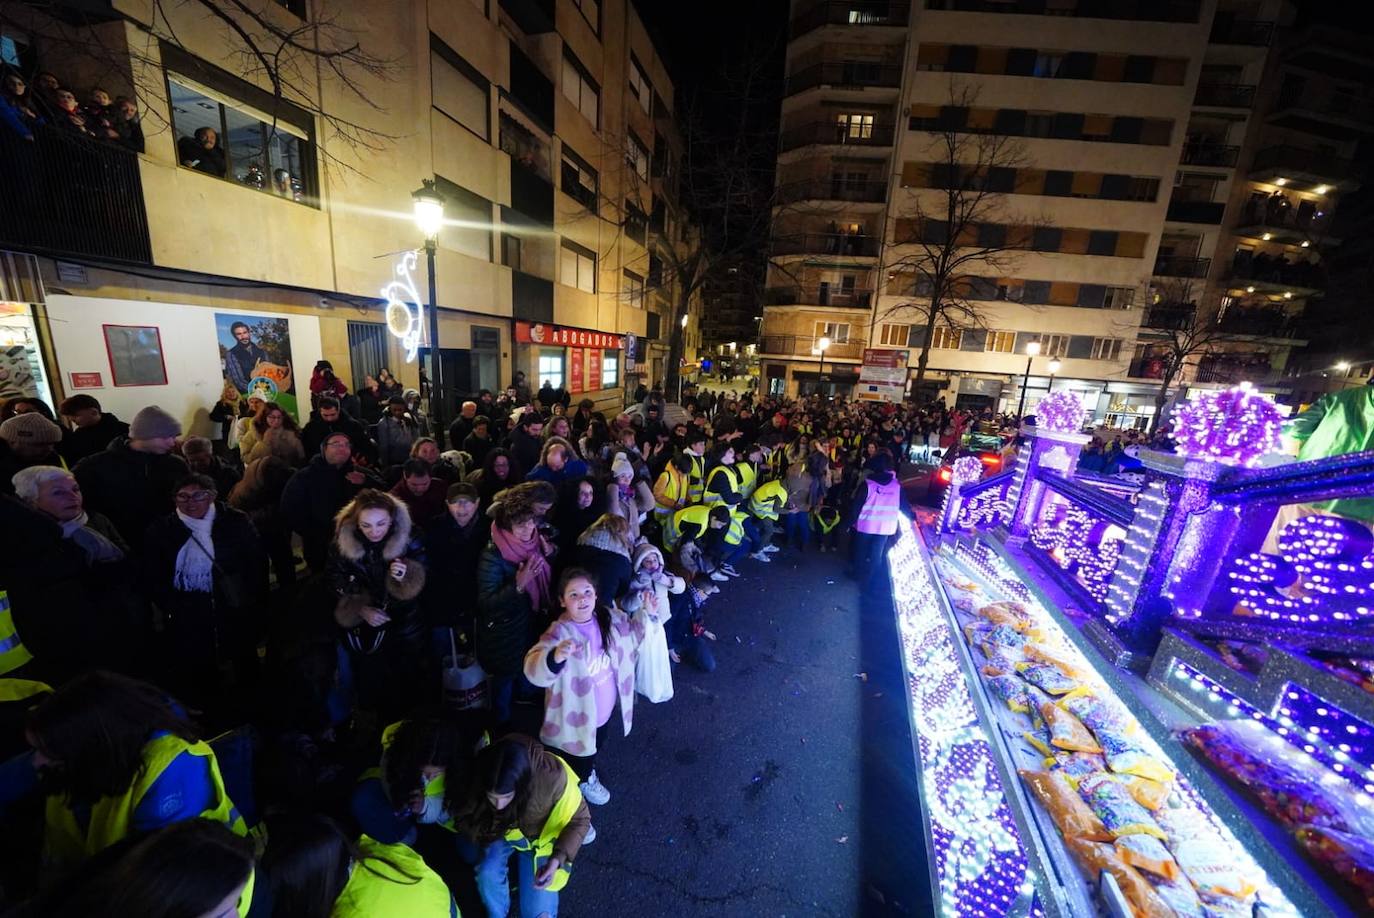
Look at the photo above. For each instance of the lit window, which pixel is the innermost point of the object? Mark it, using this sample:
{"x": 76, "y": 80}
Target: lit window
{"x": 1000, "y": 342}
{"x": 854, "y": 126}
{"x": 946, "y": 337}
{"x": 610, "y": 369}
{"x": 837, "y": 332}
{"x": 895, "y": 335}
{"x": 551, "y": 368}
{"x": 578, "y": 268}
{"x": 581, "y": 90}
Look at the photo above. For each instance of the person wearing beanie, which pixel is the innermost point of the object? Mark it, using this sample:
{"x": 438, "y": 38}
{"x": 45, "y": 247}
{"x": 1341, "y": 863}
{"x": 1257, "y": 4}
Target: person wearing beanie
{"x": 320, "y": 490}
{"x": 132, "y": 480}
{"x": 27, "y": 440}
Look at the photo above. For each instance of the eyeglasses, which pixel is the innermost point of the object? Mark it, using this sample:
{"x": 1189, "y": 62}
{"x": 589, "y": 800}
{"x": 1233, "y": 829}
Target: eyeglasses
{"x": 194, "y": 497}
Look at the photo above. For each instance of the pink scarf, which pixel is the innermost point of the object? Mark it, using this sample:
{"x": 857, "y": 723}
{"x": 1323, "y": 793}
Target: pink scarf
{"x": 535, "y": 551}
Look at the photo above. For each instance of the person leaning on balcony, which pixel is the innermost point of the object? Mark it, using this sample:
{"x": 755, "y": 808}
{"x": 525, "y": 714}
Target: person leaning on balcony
{"x": 128, "y": 124}
{"x": 202, "y": 152}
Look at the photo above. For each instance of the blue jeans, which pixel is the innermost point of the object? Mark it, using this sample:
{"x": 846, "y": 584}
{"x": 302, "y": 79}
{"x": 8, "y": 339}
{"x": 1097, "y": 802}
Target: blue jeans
{"x": 799, "y": 527}
{"x": 495, "y": 891}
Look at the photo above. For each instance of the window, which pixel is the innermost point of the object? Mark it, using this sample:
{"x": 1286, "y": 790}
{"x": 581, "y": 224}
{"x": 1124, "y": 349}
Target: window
{"x": 947, "y": 337}
{"x": 636, "y": 223}
{"x": 578, "y": 267}
{"x": 510, "y": 250}
{"x": 294, "y": 7}
{"x": 854, "y": 126}
{"x": 467, "y": 220}
{"x": 1054, "y": 345}
{"x": 581, "y": 90}
{"x": 837, "y": 332}
{"x": 636, "y": 156}
{"x": 579, "y": 179}
{"x": 458, "y": 90}
{"x": 273, "y": 155}
{"x": 1000, "y": 342}
{"x": 895, "y": 335}
{"x": 1046, "y": 238}
{"x": 591, "y": 11}
{"x": 1119, "y": 297}
{"x": 1102, "y": 242}
{"x": 551, "y": 367}
{"x": 1106, "y": 348}
{"x": 640, "y": 87}
{"x": 992, "y": 236}
{"x": 610, "y": 369}
{"x": 633, "y": 288}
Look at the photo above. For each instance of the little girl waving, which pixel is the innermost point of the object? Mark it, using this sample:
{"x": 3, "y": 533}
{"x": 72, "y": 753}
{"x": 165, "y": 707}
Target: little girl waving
{"x": 647, "y": 599}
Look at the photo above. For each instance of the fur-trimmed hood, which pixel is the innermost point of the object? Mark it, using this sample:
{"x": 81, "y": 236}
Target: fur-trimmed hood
{"x": 350, "y": 541}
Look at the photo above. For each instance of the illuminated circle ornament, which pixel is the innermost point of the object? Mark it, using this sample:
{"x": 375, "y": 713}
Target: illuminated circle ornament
{"x": 967, "y": 469}
{"x": 1236, "y": 426}
{"x": 1060, "y": 412}
{"x": 404, "y": 314}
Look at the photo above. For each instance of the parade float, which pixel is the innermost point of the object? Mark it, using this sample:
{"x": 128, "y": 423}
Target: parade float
{"x": 1145, "y": 698}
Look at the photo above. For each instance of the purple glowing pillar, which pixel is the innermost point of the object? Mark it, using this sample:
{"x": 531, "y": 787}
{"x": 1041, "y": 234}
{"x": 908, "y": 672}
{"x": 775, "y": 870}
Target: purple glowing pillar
{"x": 1052, "y": 451}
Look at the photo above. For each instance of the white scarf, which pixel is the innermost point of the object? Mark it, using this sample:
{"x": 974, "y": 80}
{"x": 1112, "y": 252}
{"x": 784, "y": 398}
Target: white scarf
{"x": 195, "y": 571}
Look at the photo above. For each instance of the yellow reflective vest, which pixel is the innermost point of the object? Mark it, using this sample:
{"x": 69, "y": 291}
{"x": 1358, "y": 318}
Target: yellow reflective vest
{"x": 111, "y": 818}
{"x": 563, "y": 812}
{"x": 824, "y": 519}
{"x": 377, "y": 889}
{"x": 696, "y": 478}
{"x": 13, "y": 653}
{"x": 716, "y": 489}
{"x": 670, "y": 492}
{"x": 767, "y": 499}
{"x": 696, "y": 517}
{"x": 748, "y": 475}
{"x": 734, "y": 533}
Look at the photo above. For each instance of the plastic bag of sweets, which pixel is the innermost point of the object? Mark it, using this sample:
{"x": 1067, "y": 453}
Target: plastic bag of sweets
{"x": 1039, "y": 653}
{"x": 1067, "y": 810}
{"x": 1001, "y": 660}
{"x": 1039, "y": 738}
{"x": 1096, "y": 712}
{"x": 1127, "y": 757}
{"x": 1049, "y": 678}
{"x": 1065, "y": 730}
{"x": 1011, "y": 690}
{"x": 1351, "y": 857}
{"x": 1012, "y": 614}
{"x": 1180, "y": 896}
{"x": 1095, "y": 857}
{"x": 1209, "y": 863}
{"x": 1117, "y": 808}
{"x": 1004, "y": 635}
{"x": 1075, "y": 765}
{"x": 1149, "y": 854}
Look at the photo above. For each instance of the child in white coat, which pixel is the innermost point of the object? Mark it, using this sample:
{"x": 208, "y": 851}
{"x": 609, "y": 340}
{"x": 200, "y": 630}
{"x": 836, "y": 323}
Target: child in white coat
{"x": 647, "y": 599}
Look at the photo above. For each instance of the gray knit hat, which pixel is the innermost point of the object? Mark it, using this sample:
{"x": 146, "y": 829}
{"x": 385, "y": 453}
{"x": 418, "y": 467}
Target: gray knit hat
{"x": 152, "y": 423}
{"x": 30, "y": 427}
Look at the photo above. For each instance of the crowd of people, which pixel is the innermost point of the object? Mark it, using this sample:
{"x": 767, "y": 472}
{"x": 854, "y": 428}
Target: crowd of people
{"x": 93, "y": 114}
{"x": 332, "y": 669}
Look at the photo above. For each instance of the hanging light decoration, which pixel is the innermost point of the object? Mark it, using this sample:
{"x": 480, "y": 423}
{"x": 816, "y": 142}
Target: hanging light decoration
{"x": 1236, "y": 426}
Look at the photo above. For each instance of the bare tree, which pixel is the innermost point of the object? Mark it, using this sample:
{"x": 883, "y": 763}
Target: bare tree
{"x": 292, "y": 59}
{"x": 957, "y": 232}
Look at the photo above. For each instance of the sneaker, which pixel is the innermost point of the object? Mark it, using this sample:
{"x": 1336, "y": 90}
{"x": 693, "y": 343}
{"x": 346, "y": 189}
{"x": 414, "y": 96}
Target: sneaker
{"x": 718, "y": 577}
{"x": 590, "y": 836}
{"x": 761, "y": 556}
{"x": 594, "y": 791}
{"x": 729, "y": 569}
{"x": 769, "y": 549}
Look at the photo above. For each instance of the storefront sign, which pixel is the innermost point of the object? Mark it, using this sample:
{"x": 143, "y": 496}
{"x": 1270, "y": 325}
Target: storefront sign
{"x": 593, "y": 370}
{"x": 86, "y": 381}
{"x": 883, "y": 377}
{"x": 539, "y": 333}
{"x": 575, "y": 370}
{"x": 631, "y": 353}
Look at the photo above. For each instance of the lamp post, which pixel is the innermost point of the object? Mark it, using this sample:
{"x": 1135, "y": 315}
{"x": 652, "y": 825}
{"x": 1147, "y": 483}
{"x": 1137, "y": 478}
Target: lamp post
{"x": 429, "y": 218}
{"x": 682, "y": 357}
{"x": 1055, "y": 367}
{"x": 822, "y": 345}
{"x": 1032, "y": 349}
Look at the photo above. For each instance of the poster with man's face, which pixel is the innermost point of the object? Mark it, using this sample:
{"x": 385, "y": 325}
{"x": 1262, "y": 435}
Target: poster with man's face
{"x": 255, "y": 354}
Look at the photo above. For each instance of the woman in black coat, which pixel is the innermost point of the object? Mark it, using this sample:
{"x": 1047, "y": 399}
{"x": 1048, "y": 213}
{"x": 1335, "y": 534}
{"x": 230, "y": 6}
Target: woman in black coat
{"x": 205, "y": 569}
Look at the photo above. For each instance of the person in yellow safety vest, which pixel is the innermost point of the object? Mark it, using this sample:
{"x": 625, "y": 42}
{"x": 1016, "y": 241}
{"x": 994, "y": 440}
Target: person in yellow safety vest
{"x": 765, "y": 505}
{"x": 13, "y": 653}
{"x": 695, "y": 449}
{"x": 722, "y": 482}
{"x": 777, "y": 461}
{"x": 825, "y": 521}
{"x": 671, "y": 489}
{"x": 120, "y": 758}
{"x": 312, "y": 868}
{"x": 698, "y": 520}
{"x": 525, "y": 801}
{"x": 749, "y": 469}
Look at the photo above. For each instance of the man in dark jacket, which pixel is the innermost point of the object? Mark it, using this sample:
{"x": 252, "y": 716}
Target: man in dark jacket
{"x": 320, "y": 490}
{"x": 329, "y": 417}
{"x": 131, "y": 482}
{"x": 462, "y": 425}
{"x": 452, "y": 546}
{"x": 92, "y": 429}
{"x": 200, "y": 456}
{"x": 478, "y": 443}
{"x": 525, "y": 442}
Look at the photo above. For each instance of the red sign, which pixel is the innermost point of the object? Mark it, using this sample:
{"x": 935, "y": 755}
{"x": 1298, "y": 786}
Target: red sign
{"x": 562, "y": 336}
{"x": 575, "y": 377}
{"x": 86, "y": 381}
{"x": 593, "y": 370}
{"x": 877, "y": 357}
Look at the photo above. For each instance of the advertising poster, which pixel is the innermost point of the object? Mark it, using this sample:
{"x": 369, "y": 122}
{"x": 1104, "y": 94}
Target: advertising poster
{"x": 883, "y": 376}
{"x": 255, "y": 355}
{"x": 575, "y": 370}
{"x": 593, "y": 370}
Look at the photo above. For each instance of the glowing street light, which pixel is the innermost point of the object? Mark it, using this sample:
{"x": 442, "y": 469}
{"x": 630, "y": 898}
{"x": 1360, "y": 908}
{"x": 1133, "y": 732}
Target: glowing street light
{"x": 429, "y": 219}
{"x": 822, "y": 345}
{"x": 1055, "y": 366}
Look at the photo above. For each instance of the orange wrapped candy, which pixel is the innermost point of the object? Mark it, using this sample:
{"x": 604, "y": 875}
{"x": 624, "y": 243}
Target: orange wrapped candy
{"x": 1068, "y": 811}
{"x": 1008, "y": 613}
{"x": 1095, "y": 857}
{"x": 1066, "y": 731}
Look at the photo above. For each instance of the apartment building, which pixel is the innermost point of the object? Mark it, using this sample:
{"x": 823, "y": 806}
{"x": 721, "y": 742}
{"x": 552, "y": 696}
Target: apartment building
{"x": 1133, "y": 141}
{"x": 546, "y": 125}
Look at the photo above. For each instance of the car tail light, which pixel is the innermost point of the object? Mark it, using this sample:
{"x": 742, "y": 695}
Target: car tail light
{"x": 944, "y": 475}
{"x": 990, "y": 460}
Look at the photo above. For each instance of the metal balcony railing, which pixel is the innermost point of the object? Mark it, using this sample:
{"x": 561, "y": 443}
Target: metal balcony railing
{"x": 829, "y": 132}
{"x": 69, "y": 195}
{"x": 1268, "y": 323}
{"x": 835, "y": 189}
{"x": 1140, "y": 10}
{"x": 845, "y": 75}
{"x": 1209, "y": 154}
{"x": 1197, "y": 211}
{"x": 1265, "y": 269}
{"x": 826, "y": 244}
{"x": 1172, "y": 317}
{"x": 1182, "y": 266}
{"x": 805, "y": 346}
{"x": 1280, "y": 217}
{"x": 1228, "y": 369}
{"x": 853, "y": 13}
{"x": 822, "y": 295}
{"x": 1225, "y": 95}
{"x": 1300, "y": 161}
{"x": 1256, "y": 32}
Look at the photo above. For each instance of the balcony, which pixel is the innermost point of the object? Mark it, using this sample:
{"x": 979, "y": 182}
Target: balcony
{"x": 854, "y": 13}
{"x": 1209, "y": 212}
{"x": 1335, "y": 118}
{"x": 66, "y": 195}
{"x": 1272, "y": 274}
{"x": 1301, "y": 168}
{"x": 822, "y": 295}
{"x": 845, "y": 75}
{"x": 1225, "y": 95}
{"x": 1169, "y": 316}
{"x": 1209, "y": 154}
{"x": 805, "y": 346}
{"x": 1182, "y": 266}
{"x": 1229, "y": 369}
{"x": 828, "y": 133}
{"x": 1258, "y": 322}
{"x": 1140, "y": 10}
{"x": 873, "y": 191}
{"x": 1253, "y": 32}
{"x": 826, "y": 244}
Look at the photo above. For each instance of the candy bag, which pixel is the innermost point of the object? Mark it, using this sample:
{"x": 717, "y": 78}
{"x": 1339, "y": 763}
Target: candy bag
{"x": 1116, "y": 808}
{"x": 1148, "y": 793}
{"x": 1179, "y": 895}
{"x": 1125, "y": 756}
{"x": 1096, "y": 712}
{"x": 1226, "y": 907}
{"x": 1047, "y": 677}
{"x": 1012, "y": 614}
{"x": 1211, "y": 866}
{"x": 1095, "y": 857}
{"x": 1065, "y": 730}
{"x": 977, "y": 632}
{"x": 1148, "y": 853}
{"x": 1002, "y": 657}
{"x": 1347, "y": 856}
{"x": 1075, "y": 765}
{"x": 1069, "y": 813}
{"x": 1005, "y": 635}
{"x": 1039, "y": 653}
{"x": 1011, "y": 690}
{"x": 1039, "y": 739}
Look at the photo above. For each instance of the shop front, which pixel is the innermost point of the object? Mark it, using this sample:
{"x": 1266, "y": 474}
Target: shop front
{"x": 1126, "y": 406}
{"x": 583, "y": 362}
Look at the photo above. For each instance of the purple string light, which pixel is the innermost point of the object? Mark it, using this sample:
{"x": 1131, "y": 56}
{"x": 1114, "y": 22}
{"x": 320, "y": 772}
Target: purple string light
{"x": 1234, "y": 426}
{"x": 1061, "y": 412}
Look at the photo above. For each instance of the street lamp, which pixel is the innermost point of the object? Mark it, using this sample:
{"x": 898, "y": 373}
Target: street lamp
{"x": 1032, "y": 349}
{"x": 822, "y": 345}
{"x": 429, "y": 218}
{"x": 1055, "y": 366}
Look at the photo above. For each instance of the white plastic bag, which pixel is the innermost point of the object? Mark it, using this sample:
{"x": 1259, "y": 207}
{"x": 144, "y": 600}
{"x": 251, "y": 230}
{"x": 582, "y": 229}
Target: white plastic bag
{"x": 653, "y": 669}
